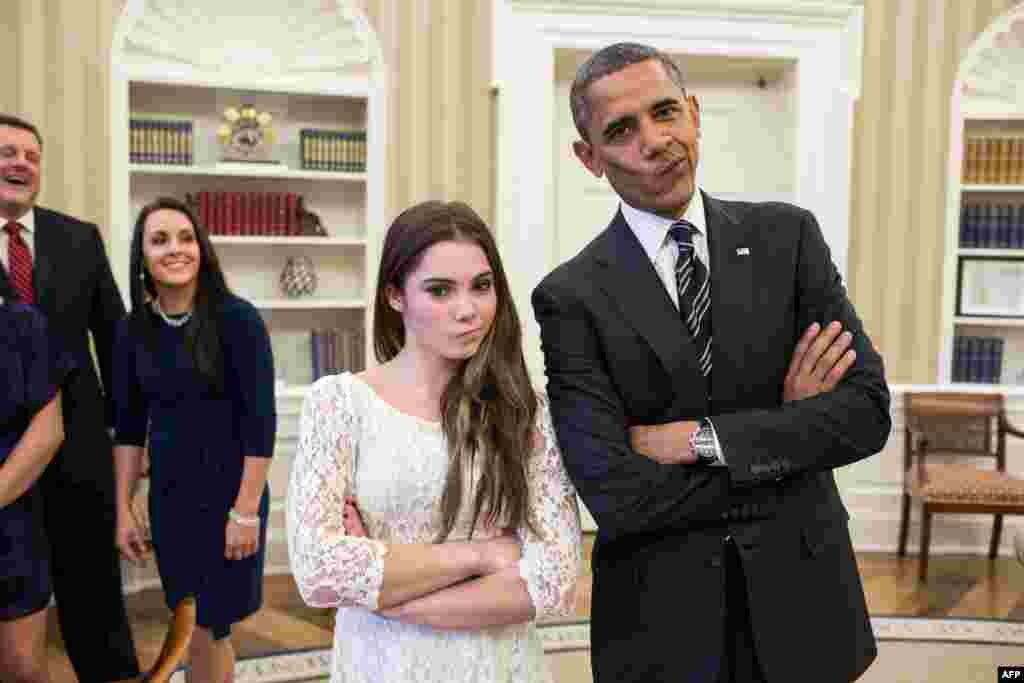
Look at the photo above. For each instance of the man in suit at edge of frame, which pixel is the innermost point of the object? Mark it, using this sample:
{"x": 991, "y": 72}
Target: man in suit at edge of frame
{"x": 73, "y": 286}
{"x": 706, "y": 373}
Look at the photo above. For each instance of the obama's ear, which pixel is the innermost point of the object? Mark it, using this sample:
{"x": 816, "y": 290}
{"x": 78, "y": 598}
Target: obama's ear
{"x": 585, "y": 153}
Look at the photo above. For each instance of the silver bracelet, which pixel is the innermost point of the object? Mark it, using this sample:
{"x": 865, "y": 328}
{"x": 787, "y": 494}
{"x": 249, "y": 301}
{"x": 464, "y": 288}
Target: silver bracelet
{"x": 241, "y": 519}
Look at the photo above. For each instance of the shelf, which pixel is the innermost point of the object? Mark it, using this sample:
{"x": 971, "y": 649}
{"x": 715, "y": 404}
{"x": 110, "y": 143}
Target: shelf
{"x": 255, "y": 240}
{"x": 308, "y": 304}
{"x": 988, "y": 322}
{"x": 993, "y": 116}
{"x": 1010, "y": 390}
{"x": 982, "y": 251}
{"x": 992, "y": 188}
{"x": 247, "y": 171}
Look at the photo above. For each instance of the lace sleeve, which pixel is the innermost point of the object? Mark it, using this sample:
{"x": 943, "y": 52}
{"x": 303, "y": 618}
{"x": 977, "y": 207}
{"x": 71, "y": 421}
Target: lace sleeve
{"x": 551, "y": 560}
{"x": 330, "y": 568}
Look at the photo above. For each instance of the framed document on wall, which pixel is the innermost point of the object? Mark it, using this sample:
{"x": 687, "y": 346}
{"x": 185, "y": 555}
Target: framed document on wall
{"x": 991, "y": 286}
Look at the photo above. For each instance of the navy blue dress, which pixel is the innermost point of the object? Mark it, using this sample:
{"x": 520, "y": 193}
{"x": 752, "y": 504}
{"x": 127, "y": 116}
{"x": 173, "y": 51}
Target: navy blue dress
{"x": 199, "y": 437}
{"x": 32, "y": 370}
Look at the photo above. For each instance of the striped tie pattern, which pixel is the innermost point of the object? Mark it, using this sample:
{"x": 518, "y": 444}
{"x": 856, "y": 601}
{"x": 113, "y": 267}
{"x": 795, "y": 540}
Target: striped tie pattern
{"x": 19, "y": 263}
{"x": 694, "y": 287}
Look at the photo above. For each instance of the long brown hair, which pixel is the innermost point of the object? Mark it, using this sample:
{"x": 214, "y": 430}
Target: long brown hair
{"x": 202, "y": 332}
{"x": 489, "y": 406}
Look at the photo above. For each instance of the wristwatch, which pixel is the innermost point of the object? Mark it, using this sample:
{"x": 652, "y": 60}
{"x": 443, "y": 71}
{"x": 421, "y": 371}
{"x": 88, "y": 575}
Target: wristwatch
{"x": 702, "y": 443}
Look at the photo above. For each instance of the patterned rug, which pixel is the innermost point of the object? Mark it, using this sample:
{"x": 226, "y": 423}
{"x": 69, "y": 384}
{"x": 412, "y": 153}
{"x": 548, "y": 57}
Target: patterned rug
{"x": 312, "y": 665}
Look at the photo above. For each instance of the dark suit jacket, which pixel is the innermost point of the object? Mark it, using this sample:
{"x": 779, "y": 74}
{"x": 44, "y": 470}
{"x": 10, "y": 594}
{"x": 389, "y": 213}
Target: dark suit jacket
{"x": 75, "y": 289}
{"x": 617, "y": 354}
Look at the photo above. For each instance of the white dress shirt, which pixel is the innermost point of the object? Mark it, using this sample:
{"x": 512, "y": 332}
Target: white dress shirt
{"x": 652, "y": 232}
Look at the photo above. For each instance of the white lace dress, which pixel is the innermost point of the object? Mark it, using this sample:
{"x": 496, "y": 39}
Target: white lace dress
{"x": 353, "y": 443}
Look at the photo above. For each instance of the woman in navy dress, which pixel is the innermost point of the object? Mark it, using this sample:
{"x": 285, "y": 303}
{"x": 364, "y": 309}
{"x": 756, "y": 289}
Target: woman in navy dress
{"x": 193, "y": 374}
{"x": 32, "y": 372}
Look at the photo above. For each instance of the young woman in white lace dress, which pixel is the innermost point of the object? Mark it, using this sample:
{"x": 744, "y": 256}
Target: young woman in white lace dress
{"x": 428, "y": 501}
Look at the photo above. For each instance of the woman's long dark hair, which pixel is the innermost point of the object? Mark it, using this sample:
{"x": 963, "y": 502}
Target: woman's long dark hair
{"x": 489, "y": 406}
{"x": 202, "y": 332}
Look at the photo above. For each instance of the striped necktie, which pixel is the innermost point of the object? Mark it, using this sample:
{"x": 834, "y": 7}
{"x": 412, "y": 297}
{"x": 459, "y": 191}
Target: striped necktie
{"x": 19, "y": 260}
{"x": 694, "y": 287}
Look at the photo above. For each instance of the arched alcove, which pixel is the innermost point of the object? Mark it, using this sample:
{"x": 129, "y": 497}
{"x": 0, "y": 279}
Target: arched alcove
{"x": 987, "y": 101}
{"x": 317, "y": 65}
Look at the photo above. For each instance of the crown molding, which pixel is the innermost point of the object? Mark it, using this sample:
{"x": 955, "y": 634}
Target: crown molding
{"x": 992, "y": 73}
{"x": 262, "y": 37}
{"x": 797, "y": 11}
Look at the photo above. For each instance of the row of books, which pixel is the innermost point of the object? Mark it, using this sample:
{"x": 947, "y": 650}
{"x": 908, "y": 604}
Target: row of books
{"x": 994, "y": 160}
{"x": 337, "y": 350}
{"x": 997, "y": 226}
{"x": 333, "y": 150}
{"x": 160, "y": 142}
{"x": 978, "y": 359}
{"x": 249, "y": 213}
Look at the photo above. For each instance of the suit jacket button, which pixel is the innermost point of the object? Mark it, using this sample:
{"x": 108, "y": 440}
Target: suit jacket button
{"x": 715, "y": 561}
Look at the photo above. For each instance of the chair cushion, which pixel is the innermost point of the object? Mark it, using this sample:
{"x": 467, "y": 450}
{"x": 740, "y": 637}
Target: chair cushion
{"x": 954, "y": 483}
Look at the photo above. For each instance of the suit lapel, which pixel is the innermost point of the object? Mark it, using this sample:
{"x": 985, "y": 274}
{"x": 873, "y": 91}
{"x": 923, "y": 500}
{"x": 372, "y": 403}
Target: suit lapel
{"x": 732, "y": 249}
{"x": 6, "y": 288}
{"x": 628, "y": 277}
{"x": 47, "y": 244}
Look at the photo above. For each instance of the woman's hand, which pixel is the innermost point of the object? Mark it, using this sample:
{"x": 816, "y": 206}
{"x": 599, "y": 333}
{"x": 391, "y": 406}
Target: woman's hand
{"x": 130, "y": 539}
{"x": 241, "y": 540}
{"x": 353, "y": 519}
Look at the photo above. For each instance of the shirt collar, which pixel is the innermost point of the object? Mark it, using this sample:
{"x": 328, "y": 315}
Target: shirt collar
{"x": 652, "y": 229}
{"x": 27, "y": 221}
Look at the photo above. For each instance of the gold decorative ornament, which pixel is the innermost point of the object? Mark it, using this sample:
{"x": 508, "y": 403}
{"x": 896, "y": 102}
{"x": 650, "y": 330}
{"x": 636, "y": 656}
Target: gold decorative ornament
{"x": 246, "y": 134}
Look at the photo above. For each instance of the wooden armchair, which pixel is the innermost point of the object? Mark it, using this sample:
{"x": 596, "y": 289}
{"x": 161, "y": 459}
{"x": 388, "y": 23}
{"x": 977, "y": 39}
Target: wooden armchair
{"x": 950, "y": 425}
{"x": 179, "y": 634}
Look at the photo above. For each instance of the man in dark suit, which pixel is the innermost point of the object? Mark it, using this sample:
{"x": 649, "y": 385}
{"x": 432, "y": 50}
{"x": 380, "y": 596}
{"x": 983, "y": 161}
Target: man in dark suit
{"x": 59, "y": 264}
{"x": 706, "y": 373}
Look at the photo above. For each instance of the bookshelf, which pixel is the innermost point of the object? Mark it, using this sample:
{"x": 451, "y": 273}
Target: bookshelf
{"x": 985, "y": 342}
{"x": 332, "y": 87}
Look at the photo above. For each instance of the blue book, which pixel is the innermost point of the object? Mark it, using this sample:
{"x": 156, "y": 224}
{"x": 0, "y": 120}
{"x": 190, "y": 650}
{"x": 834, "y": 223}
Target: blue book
{"x": 987, "y": 238}
{"x": 975, "y": 362}
{"x": 996, "y": 359}
{"x": 315, "y": 352}
{"x": 1017, "y": 229}
{"x": 958, "y": 359}
{"x": 964, "y": 239}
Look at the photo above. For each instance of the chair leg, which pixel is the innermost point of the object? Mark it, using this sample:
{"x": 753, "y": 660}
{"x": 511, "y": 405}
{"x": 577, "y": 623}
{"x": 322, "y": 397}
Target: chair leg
{"x": 926, "y": 537}
{"x": 997, "y": 531}
{"x": 904, "y": 525}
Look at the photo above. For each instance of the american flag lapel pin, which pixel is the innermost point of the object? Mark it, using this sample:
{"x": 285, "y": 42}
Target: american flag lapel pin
{"x": 742, "y": 251}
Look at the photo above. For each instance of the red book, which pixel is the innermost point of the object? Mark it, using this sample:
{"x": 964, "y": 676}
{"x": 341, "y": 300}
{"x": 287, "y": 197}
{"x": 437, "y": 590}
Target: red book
{"x": 229, "y": 214}
{"x": 257, "y": 213}
{"x": 276, "y": 221}
{"x": 248, "y": 224}
{"x": 236, "y": 213}
{"x": 204, "y": 210}
{"x": 291, "y": 216}
{"x": 217, "y": 213}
